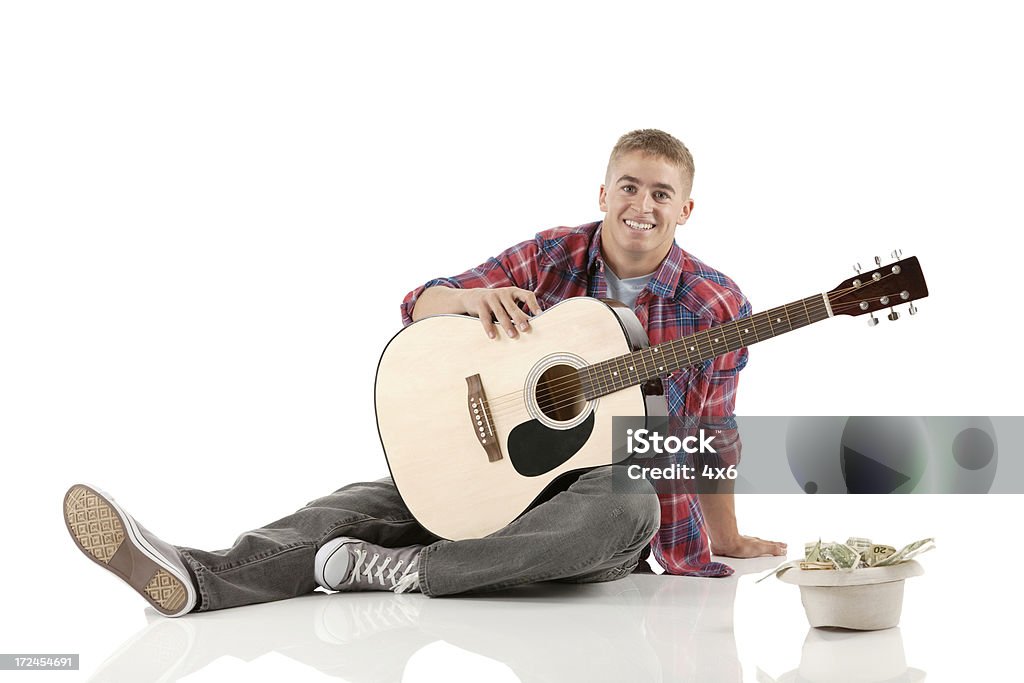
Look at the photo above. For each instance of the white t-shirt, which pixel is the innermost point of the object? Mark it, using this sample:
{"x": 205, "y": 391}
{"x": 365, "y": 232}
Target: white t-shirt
{"x": 626, "y": 290}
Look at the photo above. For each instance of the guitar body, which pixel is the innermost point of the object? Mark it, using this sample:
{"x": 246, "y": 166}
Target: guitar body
{"x": 476, "y": 429}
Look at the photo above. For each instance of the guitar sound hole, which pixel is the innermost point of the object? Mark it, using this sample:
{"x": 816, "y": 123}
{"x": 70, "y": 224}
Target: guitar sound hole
{"x": 559, "y": 393}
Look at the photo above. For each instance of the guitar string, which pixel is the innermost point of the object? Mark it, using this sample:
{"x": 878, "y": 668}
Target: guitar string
{"x": 819, "y": 306}
{"x": 564, "y": 400}
{"x": 549, "y": 405}
{"x": 515, "y": 395}
{"x": 557, "y": 397}
{"x": 554, "y": 387}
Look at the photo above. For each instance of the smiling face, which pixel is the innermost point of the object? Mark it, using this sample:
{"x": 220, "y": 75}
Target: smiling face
{"x": 645, "y": 197}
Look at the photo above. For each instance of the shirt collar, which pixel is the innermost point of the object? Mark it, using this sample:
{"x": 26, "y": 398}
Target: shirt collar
{"x": 665, "y": 280}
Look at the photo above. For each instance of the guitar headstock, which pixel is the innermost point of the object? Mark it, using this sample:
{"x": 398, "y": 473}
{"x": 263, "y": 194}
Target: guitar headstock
{"x": 884, "y": 287}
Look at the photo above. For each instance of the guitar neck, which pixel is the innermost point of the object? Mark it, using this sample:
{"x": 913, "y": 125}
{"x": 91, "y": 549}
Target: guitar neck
{"x": 658, "y": 361}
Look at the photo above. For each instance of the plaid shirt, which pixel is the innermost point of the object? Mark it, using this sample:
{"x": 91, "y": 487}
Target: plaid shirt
{"x": 683, "y": 296}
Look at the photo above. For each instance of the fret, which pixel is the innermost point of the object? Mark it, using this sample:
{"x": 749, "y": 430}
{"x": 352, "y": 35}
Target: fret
{"x": 823, "y": 311}
{"x": 686, "y": 349}
{"x": 646, "y": 363}
{"x": 719, "y": 339}
{"x": 629, "y": 362}
{"x": 747, "y": 332}
{"x": 749, "y": 327}
{"x": 710, "y": 353}
{"x": 675, "y": 356}
{"x": 620, "y": 372}
{"x": 777, "y": 319}
{"x": 658, "y": 358}
{"x": 766, "y": 320}
{"x": 690, "y": 345}
{"x": 586, "y": 380}
{"x": 814, "y": 312}
{"x": 735, "y": 329}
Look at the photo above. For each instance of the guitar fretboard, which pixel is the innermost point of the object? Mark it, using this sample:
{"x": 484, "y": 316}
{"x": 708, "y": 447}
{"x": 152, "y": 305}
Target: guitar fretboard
{"x": 663, "y": 359}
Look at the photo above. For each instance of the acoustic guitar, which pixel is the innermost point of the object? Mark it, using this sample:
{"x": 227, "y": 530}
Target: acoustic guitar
{"x": 475, "y": 429}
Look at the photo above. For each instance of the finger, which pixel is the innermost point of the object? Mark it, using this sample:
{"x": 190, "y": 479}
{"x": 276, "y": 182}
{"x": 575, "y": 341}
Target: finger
{"x": 518, "y": 318}
{"x": 484, "y": 314}
{"x": 501, "y": 316}
{"x": 530, "y": 299}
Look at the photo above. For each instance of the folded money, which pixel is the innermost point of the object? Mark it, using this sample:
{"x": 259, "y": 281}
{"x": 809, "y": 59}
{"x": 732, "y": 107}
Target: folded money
{"x": 856, "y": 553}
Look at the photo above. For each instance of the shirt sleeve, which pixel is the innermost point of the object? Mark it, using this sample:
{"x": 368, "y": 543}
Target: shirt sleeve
{"x": 681, "y": 545}
{"x": 514, "y": 267}
{"x": 719, "y": 415}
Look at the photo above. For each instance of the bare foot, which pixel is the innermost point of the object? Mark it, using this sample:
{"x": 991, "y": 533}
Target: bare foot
{"x": 748, "y": 546}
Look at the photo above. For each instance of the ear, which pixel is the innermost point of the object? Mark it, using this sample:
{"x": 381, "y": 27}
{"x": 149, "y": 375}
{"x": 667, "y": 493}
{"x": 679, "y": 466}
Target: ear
{"x": 684, "y": 213}
{"x": 602, "y": 200}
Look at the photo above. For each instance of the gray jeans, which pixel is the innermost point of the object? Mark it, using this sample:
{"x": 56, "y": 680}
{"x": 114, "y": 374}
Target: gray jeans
{"x": 585, "y": 533}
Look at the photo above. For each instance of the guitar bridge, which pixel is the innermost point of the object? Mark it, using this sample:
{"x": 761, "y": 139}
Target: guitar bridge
{"x": 481, "y": 420}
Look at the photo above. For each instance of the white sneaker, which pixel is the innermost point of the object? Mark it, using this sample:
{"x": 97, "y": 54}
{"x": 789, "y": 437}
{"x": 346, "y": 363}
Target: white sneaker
{"x": 113, "y": 539}
{"x": 348, "y": 564}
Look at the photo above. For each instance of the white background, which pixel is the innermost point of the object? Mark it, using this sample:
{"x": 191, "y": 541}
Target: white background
{"x": 210, "y": 212}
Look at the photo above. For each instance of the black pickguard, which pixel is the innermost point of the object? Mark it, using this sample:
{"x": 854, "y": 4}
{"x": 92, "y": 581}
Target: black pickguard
{"x": 535, "y": 448}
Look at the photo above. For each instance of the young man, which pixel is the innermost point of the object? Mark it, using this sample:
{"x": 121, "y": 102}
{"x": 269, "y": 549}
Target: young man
{"x": 362, "y": 537}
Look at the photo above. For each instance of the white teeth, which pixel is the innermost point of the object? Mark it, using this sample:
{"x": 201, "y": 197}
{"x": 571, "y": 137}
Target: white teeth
{"x": 639, "y": 226}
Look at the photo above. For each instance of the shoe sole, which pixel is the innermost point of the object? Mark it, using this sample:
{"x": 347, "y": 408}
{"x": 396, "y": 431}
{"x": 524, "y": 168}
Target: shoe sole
{"x": 109, "y": 537}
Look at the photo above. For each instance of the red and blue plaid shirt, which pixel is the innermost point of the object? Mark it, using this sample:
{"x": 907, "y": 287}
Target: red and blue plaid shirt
{"x": 683, "y": 296}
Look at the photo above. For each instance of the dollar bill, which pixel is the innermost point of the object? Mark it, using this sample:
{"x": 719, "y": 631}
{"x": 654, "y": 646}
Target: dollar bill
{"x": 856, "y": 553}
{"x": 908, "y": 552}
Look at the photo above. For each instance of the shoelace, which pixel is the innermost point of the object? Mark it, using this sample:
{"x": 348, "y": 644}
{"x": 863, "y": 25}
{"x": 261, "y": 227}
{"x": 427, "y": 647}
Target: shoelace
{"x": 407, "y": 581}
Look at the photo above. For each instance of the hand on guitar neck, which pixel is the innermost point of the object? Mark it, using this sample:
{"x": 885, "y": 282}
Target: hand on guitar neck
{"x": 499, "y": 304}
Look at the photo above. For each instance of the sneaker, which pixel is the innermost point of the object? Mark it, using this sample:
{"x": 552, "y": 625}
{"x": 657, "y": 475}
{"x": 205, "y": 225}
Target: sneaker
{"x": 348, "y": 564}
{"x": 110, "y": 537}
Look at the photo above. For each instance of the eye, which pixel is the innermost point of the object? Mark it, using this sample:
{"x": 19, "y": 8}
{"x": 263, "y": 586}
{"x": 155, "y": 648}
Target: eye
{"x": 661, "y": 195}
{"x": 629, "y": 188}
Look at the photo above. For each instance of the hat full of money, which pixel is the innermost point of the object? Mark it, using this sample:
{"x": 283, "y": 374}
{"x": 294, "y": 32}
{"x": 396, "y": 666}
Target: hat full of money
{"x": 856, "y": 585}
{"x": 864, "y": 599}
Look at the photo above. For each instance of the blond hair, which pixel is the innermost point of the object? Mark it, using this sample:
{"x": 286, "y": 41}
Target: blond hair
{"x": 655, "y": 143}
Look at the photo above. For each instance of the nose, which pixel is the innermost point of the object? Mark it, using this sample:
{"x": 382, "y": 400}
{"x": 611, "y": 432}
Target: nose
{"x": 643, "y": 203}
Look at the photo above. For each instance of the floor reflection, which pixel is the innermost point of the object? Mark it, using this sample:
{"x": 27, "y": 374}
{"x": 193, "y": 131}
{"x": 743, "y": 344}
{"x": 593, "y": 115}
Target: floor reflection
{"x": 837, "y": 655}
{"x": 643, "y": 627}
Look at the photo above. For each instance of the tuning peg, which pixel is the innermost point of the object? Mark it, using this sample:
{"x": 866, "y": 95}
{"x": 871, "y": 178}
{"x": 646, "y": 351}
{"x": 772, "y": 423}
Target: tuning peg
{"x": 878, "y": 262}
{"x": 893, "y": 315}
{"x": 896, "y": 253}
{"x": 872, "y": 321}
{"x": 912, "y": 309}
{"x": 856, "y": 268}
